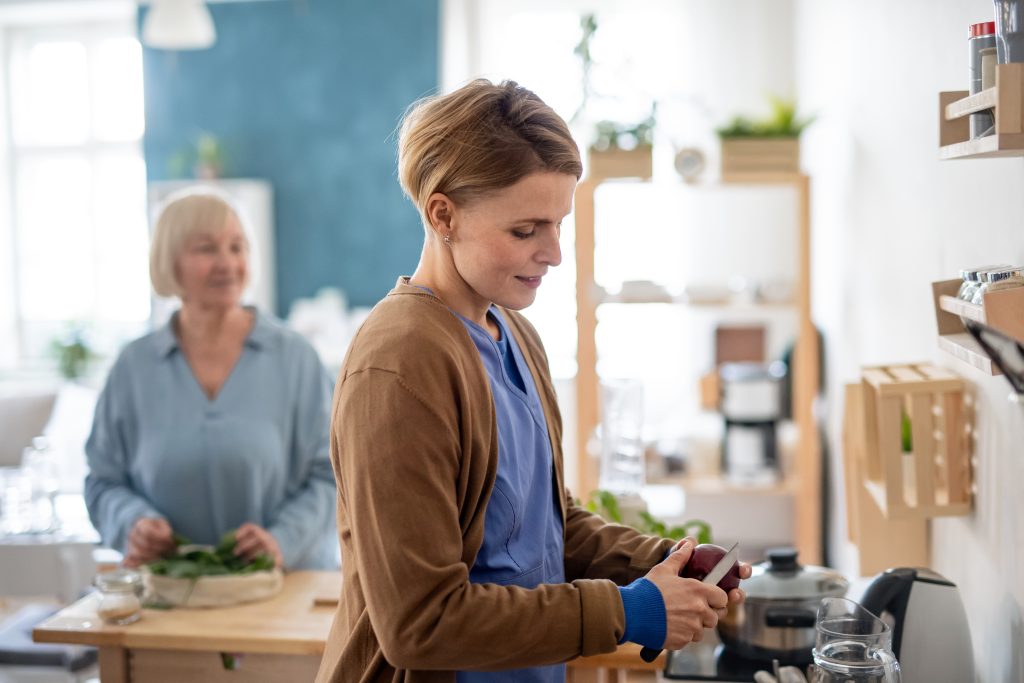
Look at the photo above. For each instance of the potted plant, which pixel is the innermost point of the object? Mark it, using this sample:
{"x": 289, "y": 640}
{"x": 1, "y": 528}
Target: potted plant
{"x": 618, "y": 150}
{"x": 767, "y": 145}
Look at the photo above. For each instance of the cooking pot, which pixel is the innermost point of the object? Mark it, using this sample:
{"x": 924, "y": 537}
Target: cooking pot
{"x": 776, "y": 621}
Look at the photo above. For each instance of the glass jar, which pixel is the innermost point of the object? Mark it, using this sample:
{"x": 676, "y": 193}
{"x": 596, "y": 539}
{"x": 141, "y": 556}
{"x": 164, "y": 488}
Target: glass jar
{"x": 120, "y": 592}
{"x": 994, "y": 280}
{"x": 972, "y": 278}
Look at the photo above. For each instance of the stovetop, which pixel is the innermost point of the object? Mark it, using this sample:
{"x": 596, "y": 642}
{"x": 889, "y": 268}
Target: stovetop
{"x": 709, "y": 660}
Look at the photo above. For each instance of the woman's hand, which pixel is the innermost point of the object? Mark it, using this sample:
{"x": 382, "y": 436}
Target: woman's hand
{"x": 252, "y": 540}
{"x": 150, "y": 539}
{"x": 690, "y": 605}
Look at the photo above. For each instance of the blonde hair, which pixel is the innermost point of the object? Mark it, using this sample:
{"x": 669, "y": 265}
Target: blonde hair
{"x": 479, "y": 139}
{"x": 183, "y": 214}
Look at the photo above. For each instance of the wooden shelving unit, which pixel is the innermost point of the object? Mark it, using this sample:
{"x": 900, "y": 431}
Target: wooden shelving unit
{"x": 805, "y": 478}
{"x": 1002, "y": 310}
{"x": 1006, "y": 98}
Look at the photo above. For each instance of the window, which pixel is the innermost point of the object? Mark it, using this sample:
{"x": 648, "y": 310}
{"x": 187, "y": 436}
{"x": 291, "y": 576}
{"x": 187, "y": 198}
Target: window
{"x": 77, "y": 233}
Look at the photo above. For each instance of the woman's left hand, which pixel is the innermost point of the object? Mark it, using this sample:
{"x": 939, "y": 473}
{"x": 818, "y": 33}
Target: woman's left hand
{"x": 252, "y": 540}
{"x": 738, "y": 595}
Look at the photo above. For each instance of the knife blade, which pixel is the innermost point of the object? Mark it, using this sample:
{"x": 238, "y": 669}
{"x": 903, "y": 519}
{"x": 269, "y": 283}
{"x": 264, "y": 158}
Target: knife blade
{"x": 717, "y": 573}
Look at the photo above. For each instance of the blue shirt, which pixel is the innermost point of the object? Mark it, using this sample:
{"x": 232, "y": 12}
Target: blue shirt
{"x": 523, "y": 537}
{"x": 257, "y": 452}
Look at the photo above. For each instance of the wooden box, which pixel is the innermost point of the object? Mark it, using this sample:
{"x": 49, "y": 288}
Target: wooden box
{"x": 752, "y": 156}
{"x": 934, "y": 478}
{"x": 620, "y": 163}
{"x": 1002, "y": 310}
{"x": 1006, "y": 99}
{"x": 881, "y": 543}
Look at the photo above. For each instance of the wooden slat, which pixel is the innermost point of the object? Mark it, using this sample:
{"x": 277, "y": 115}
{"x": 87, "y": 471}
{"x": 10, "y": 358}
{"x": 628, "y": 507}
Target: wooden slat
{"x": 954, "y": 131}
{"x": 587, "y": 385}
{"x": 922, "y": 427}
{"x": 877, "y": 377}
{"x": 937, "y": 372}
{"x": 1009, "y": 119}
{"x": 853, "y": 440}
{"x": 986, "y": 99}
{"x": 1004, "y": 310}
{"x": 966, "y": 348}
{"x": 872, "y": 459}
{"x": 889, "y": 411}
{"x": 990, "y": 146}
{"x": 957, "y": 454}
{"x": 906, "y": 374}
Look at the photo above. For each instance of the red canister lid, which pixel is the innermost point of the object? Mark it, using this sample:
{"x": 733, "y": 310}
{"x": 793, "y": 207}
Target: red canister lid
{"x": 985, "y": 28}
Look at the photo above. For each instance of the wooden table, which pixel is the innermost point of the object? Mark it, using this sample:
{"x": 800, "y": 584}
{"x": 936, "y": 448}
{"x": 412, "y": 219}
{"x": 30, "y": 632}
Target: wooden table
{"x": 281, "y": 639}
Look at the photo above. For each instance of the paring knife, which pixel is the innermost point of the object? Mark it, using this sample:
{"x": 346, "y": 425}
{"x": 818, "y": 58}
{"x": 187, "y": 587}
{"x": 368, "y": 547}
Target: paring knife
{"x": 717, "y": 573}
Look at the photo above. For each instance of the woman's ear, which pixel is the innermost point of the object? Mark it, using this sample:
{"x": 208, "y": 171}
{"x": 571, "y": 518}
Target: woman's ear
{"x": 439, "y": 212}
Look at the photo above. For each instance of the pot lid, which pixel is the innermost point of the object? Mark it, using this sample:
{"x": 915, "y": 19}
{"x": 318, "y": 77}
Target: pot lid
{"x": 782, "y": 577}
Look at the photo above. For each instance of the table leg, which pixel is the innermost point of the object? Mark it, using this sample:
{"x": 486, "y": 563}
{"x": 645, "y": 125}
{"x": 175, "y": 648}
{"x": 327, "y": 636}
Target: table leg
{"x": 114, "y": 665}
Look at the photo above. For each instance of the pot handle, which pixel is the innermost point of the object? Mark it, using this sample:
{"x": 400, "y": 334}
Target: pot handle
{"x": 784, "y": 617}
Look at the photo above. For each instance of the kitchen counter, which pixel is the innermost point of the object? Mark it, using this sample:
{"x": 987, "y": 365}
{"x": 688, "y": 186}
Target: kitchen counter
{"x": 278, "y": 639}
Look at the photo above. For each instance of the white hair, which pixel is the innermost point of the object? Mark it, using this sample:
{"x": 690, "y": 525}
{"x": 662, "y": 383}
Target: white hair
{"x": 183, "y": 214}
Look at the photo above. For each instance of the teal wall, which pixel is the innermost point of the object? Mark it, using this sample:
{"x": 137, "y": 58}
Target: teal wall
{"x": 307, "y": 94}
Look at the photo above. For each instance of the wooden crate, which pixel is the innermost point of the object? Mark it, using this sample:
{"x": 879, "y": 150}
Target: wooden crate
{"x": 751, "y": 156}
{"x": 935, "y": 478}
{"x": 620, "y": 163}
{"x": 881, "y": 543}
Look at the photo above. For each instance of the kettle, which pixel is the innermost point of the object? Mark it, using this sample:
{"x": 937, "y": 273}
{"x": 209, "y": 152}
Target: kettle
{"x": 930, "y": 635}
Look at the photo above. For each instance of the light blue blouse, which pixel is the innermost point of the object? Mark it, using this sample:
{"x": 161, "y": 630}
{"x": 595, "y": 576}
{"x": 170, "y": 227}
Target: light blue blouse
{"x": 257, "y": 452}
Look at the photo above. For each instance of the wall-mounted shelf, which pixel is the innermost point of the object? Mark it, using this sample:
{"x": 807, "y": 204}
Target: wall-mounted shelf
{"x": 934, "y": 478}
{"x": 1006, "y": 98}
{"x": 1002, "y": 310}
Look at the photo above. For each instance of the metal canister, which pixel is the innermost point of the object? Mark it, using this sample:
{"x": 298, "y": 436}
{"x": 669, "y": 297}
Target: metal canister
{"x": 980, "y": 36}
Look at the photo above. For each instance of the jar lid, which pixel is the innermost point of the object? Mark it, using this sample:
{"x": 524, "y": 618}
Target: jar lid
{"x": 1001, "y": 274}
{"x": 974, "y": 272}
{"x": 781, "y": 577}
{"x": 985, "y": 28}
{"x": 118, "y": 580}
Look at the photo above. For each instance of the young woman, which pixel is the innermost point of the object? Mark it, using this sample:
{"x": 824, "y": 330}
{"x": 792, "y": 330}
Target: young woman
{"x": 464, "y": 557}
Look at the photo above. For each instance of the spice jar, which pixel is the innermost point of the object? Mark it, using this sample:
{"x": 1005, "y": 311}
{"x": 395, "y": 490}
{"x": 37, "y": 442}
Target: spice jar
{"x": 979, "y": 37}
{"x": 995, "y": 280}
{"x": 119, "y": 596}
{"x": 972, "y": 278}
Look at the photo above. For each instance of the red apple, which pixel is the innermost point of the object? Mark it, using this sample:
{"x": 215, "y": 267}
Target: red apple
{"x": 703, "y": 560}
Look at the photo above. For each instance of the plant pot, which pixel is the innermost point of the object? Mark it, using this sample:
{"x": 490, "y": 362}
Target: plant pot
{"x": 620, "y": 163}
{"x": 760, "y": 155}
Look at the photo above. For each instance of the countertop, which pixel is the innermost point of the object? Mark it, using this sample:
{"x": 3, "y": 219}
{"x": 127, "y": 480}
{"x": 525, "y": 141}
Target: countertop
{"x": 294, "y": 622}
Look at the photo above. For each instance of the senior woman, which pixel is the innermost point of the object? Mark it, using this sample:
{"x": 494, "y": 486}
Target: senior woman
{"x": 464, "y": 558}
{"x": 218, "y": 420}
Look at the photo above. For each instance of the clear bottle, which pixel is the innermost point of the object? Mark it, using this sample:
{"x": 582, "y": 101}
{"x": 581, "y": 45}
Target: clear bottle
{"x": 120, "y": 592}
{"x": 994, "y": 280}
{"x": 39, "y": 464}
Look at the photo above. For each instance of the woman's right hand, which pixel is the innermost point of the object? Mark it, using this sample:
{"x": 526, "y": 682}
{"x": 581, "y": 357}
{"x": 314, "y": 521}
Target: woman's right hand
{"x": 690, "y": 606}
{"x": 150, "y": 539}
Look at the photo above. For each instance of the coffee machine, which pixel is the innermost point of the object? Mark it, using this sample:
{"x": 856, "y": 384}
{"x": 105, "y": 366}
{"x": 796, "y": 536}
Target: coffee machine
{"x": 751, "y": 403}
{"x": 931, "y": 638}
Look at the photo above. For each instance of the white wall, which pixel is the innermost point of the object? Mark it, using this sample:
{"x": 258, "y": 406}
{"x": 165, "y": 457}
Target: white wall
{"x": 889, "y": 218}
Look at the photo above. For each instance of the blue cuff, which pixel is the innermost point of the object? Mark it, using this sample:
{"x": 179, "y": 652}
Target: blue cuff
{"x": 645, "y": 614}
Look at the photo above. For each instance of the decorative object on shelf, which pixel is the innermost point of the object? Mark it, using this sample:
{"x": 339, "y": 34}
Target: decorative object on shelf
{"x": 205, "y": 159}
{"x": 1002, "y": 310}
{"x": 980, "y": 37}
{"x": 689, "y": 163}
{"x": 178, "y": 25}
{"x": 768, "y": 145}
{"x": 619, "y": 140}
{"x": 1006, "y": 99}
{"x": 935, "y": 479}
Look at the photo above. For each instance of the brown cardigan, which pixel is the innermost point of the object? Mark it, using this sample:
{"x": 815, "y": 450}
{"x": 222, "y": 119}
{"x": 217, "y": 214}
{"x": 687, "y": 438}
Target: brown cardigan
{"x": 414, "y": 446}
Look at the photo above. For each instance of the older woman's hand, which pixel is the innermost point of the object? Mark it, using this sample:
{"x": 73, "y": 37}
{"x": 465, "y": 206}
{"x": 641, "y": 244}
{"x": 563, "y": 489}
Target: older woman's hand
{"x": 252, "y": 540}
{"x": 150, "y": 539}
